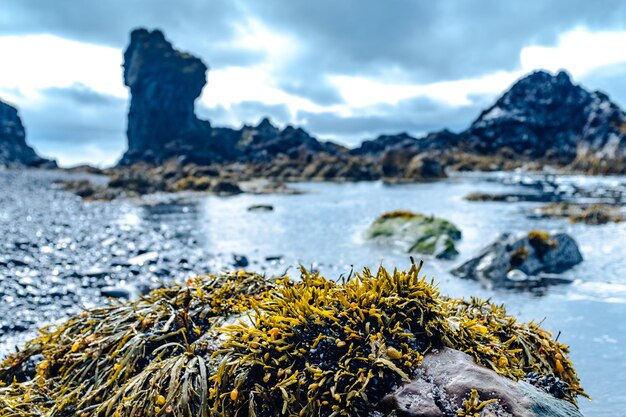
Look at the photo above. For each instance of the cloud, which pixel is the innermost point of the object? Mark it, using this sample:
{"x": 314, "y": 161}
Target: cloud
{"x": 344, "y": 70}
{"x": 416, "y": 116}
{"x": 246, "y": 112}
{"x": 76, "y": 125}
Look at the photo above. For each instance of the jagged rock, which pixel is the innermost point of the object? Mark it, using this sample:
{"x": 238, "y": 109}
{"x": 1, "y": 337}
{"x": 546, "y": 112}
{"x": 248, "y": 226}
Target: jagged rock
{"x": 447, "y": 379}
{"x": 416, "y": 233}
{"x": 376, "y": 147}
{"x": 164, "y": 84}
{"x": 14, "y": 151}
{"x": 265, "y": 141}
{"x": 521, "y": 261}
{"x": 542, "y": 118}
{"x": 545, "y": 115}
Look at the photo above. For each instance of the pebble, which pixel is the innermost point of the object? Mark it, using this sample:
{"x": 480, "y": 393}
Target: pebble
{"x": 59, "y": 254}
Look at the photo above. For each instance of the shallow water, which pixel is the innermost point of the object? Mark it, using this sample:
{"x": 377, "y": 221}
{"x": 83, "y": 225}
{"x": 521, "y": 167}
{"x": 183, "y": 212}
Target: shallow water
{"x": 324, "y": 229}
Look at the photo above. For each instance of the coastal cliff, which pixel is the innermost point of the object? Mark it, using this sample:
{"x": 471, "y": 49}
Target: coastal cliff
{"x": 14, "y": 151}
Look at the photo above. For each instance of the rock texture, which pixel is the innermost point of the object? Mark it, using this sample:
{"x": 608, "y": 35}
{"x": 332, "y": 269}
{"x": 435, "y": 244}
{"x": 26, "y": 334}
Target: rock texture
{"x": 14, "y": 151}
{"x": 523, "y": 261}
{"x": 447, "y": 379}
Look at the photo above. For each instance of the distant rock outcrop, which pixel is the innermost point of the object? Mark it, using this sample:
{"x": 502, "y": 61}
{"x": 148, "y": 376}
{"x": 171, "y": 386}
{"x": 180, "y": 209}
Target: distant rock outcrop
{"x": 545, "y": 115}
{"x": 14, "y": 151}
{"x": 541, "y": 116}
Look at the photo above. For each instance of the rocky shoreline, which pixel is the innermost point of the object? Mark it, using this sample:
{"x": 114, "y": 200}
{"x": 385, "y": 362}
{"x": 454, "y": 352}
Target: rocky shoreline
{"x": 60, "y": 255}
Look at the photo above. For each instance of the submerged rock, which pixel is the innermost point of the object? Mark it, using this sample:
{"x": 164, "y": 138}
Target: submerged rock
{"x": 261, "y": 207}
{"x": 521, "y": 261}
{"x": 14, "y": 151}
{"x": 311, "y": 347}
{"x": 416, "y": 233}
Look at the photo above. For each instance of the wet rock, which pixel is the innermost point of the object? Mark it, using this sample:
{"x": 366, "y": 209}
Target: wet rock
{"x": 425, "y": 168}
{"x": 511, "y": 197}
{"x": 240, "y": 261}
{"x": 222, "y": 187}
{"x": 514, "y": 260}
{"x": 416, "y": 233}
{"x": 448, "y": 377}
{"x": 261, "y": 207}
{"x": 114, "y": 292}
{"x": 592, "y": 214}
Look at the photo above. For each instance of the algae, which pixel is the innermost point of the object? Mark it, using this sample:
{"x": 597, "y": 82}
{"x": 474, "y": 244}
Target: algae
{"x": 242, "y": 345}
{"x": 416, "y": 233}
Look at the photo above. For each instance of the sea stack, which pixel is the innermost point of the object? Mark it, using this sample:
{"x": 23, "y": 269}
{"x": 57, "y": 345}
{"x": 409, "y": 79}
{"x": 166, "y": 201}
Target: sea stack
{"x": 164, "y": 84}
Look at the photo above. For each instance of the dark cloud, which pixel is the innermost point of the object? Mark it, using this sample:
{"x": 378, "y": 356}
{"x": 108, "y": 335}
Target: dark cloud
{"x": 69, "y": 119}
{"x": 248, "y": 112}
{"x": 428, "y": 41}
{"x": 415, "y": 116}
{"x": 82, "y": 95}
{"x": 403, "y": 41}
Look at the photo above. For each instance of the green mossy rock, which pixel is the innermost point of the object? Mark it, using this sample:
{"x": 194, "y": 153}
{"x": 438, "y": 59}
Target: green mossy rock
{"x": 416, "y": 233}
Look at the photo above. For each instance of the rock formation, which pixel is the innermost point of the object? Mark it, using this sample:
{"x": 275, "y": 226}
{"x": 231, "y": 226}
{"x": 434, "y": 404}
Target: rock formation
{"x": 14, "y": 151}
{"x": 545, "y": 115}
{"x": 164, "y": 84}
{"x": 541, "y": 116}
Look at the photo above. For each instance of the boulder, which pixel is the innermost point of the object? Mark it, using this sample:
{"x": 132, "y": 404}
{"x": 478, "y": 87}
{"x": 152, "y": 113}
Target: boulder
{"x": 450, "y": 380}
{"x": 521, "y": 261}
{"x": 416, "y": 233}
{"x": 14, "y": 151}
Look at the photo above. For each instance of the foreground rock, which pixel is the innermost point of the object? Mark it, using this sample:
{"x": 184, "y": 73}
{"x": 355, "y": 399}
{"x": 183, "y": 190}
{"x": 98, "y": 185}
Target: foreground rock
{"x": 14, "y": 151}
{"x": 311, "y": 347}
{"x": 450, "y": 380}
{"x": 592, "y": 214}
{"x": 416, "y": 233}
{"x": 523, "y": 261}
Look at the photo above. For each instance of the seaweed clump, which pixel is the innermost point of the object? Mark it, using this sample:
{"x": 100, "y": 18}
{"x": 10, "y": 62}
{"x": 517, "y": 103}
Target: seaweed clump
{"x": 541, "y": 242}
{"x": 241, "y": 345}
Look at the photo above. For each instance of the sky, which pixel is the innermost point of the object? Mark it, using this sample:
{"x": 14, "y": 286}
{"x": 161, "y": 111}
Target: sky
{"x": 345, "y": 70}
